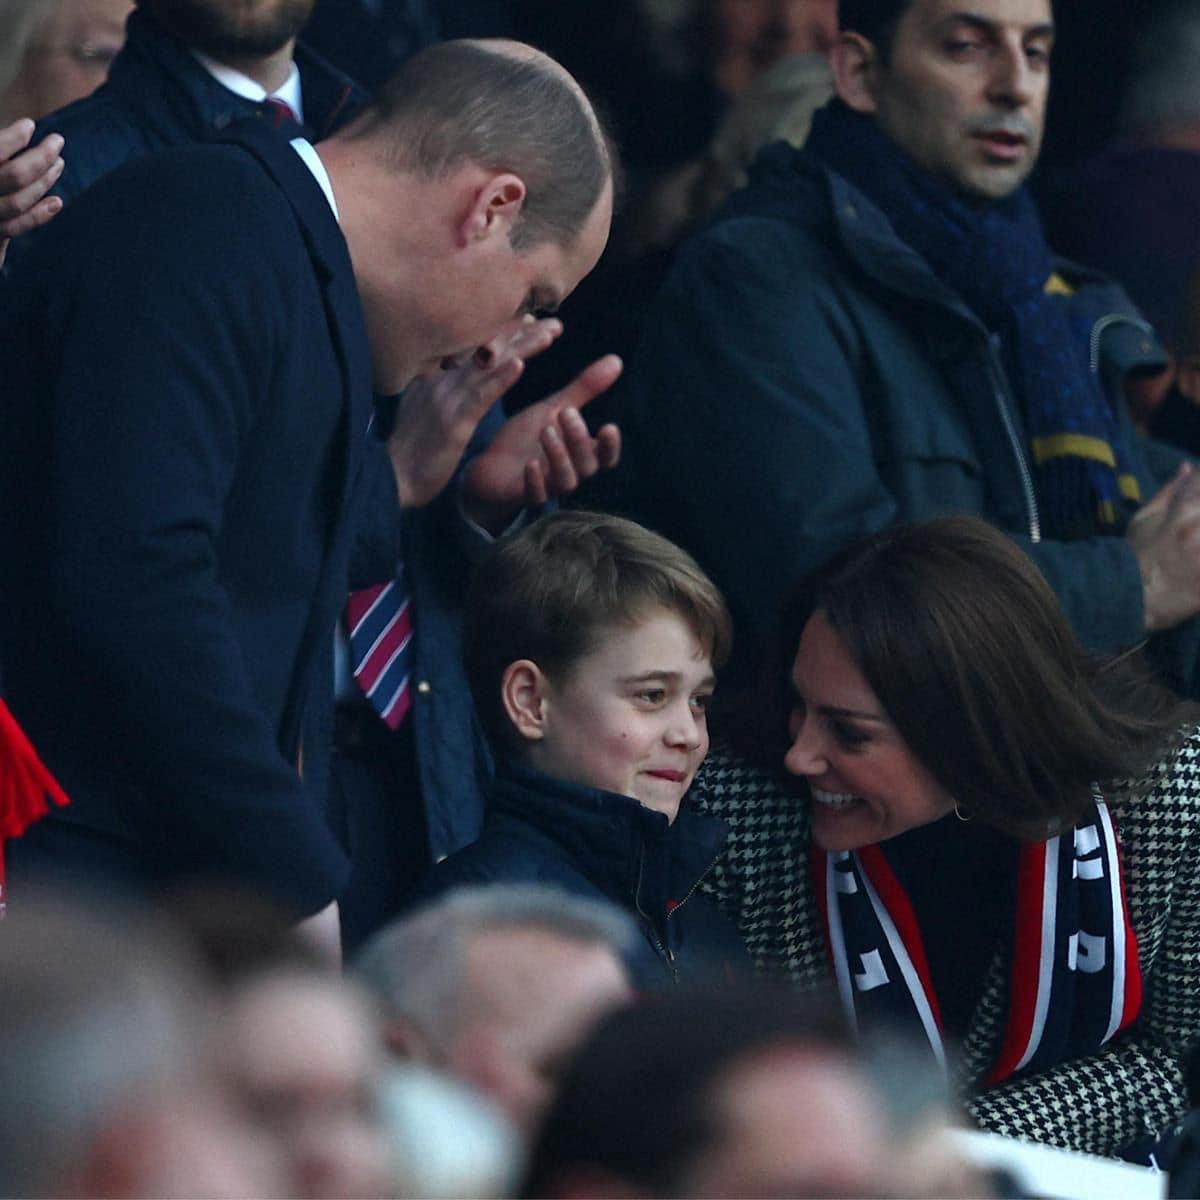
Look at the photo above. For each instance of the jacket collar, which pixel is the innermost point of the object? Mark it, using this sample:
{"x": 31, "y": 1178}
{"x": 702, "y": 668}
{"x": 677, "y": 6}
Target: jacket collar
{"x": 631, "y": 853}
{"x": 796, "y": 186}
{"x": 330, "y": 257}
{"x": 192, "y": 104}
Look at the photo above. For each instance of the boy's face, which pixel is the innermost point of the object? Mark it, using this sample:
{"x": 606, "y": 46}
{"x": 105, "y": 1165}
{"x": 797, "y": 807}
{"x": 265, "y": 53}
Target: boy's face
{"x": 630, "y": 717}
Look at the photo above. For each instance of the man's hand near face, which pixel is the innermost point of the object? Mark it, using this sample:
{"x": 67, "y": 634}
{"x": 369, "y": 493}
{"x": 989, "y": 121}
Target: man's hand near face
{"x": 543, "y": 452}
{"x": 26, "y": 175}
{"x": 441, "y": 409}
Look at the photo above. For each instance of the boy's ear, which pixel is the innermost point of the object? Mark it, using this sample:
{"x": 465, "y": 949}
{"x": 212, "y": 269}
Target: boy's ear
{"x": 854, "y": 62}
{"x": 523, "y": 693}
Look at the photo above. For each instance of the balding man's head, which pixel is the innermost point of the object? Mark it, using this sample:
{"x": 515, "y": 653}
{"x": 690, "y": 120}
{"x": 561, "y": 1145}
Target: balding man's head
{"x": 505, "y": 107}
{"x": 511, "y": 977}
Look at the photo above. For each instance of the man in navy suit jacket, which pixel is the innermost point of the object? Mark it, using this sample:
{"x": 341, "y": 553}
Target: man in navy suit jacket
{"x": 185, "y": 448}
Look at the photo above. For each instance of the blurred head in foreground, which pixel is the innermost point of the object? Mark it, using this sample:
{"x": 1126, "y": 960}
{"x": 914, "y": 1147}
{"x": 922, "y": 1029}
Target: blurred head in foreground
{"x": 300, "y": 1049}
{"x": 497, "y": 985}
{"x": 104, "y": 1062}
{"x": 727, "y": 1093}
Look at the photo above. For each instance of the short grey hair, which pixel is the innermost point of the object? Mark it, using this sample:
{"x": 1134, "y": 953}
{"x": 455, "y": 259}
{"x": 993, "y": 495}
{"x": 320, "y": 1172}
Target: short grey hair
{"x": 462, "y": 102}
{"x": 416, "y": 966}
{"x": 1164, "y": 83}
{"x": 95, "y": 1006}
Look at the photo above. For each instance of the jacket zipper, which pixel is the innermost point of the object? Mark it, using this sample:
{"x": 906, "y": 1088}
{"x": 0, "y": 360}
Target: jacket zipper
{"x": 1106, "y": 323}
{"x": 999, "y": 395}
{"x": 664, "y": 952}
{"x": 692, "y": 890}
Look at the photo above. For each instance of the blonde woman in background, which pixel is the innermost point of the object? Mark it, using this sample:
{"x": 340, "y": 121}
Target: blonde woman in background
{"x": 54, "y": 51}
{"x": 51, "y": 52}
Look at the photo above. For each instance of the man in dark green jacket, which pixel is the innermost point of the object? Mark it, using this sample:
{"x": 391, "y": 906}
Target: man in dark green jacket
{"x": 874, "y": 331}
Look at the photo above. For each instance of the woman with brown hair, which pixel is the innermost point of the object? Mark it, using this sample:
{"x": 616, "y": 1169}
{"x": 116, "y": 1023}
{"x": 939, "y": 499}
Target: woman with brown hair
{"x": 994, "y": 836}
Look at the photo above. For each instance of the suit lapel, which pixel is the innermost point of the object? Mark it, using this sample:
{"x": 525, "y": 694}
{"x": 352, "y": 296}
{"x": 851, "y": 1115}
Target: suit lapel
{"x": 335, "y": 276}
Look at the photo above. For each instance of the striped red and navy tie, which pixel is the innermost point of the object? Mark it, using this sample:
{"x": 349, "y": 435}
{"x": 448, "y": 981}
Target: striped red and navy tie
{"x": 379, "y": 620}
{"x": 280, "y": 112}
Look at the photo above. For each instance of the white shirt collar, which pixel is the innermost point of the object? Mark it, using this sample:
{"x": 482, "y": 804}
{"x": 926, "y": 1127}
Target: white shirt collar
{"x": 251, "y": 89}
{"x": 312, "y": 160}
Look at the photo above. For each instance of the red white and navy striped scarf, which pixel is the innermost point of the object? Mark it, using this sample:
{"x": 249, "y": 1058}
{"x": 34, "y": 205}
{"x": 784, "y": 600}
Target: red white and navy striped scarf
{"x": 1075, "y": 981}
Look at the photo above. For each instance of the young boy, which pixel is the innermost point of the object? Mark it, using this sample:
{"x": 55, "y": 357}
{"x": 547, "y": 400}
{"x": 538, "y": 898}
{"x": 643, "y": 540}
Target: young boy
{"x": 590, "y": 645}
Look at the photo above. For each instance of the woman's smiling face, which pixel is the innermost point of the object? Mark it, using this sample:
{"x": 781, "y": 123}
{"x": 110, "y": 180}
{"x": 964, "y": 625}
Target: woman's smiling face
{"x": 866, "y": 784}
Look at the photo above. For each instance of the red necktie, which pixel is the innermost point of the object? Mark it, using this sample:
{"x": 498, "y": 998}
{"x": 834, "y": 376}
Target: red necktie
{"x": 379, "y": 620}
{"x": 280, "y": 112}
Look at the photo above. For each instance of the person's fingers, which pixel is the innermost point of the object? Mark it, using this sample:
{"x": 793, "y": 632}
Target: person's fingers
{"x": 497, "y": 380}
{"x": 463, "y": 387}
{"x": 608, "y": 446}
{"x": 1183, "y": 522}
{"x": 534, "y": 335}
{"x": 530, "y": 323}
{"x": 561, "y": 476}
{"x": 486, "y": 355}
{"x": 1162, "y": 499}
{"x": 580, "y": 445}
{"x": 19, "y": 169}
{"x": 590, "y": 382}
{"x": 15, "y": 137}
{"x": 530, "y": 338}
{"x": 505, "y": 333}
{"x": 1183, "y": 505}
{"x": 536, "y": 492}
{"x": 15, "y": 203}
{"x": 1187, "y": 485}
{"x": 33, "y": 217}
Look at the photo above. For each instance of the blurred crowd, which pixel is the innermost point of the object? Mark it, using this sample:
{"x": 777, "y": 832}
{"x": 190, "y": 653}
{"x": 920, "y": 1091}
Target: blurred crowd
{"x": 207, "y": 1049}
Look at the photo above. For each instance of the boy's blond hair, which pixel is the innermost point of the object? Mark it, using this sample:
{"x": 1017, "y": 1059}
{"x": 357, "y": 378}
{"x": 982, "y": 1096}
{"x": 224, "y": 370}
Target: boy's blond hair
{"x": 550, "y": 592}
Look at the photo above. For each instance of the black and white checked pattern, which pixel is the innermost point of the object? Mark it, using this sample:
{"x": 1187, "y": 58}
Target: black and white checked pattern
{"x": 1098, "y": 1104}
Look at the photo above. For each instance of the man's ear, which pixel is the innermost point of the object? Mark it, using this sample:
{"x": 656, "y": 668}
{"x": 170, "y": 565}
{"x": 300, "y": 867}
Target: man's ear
{"x": 495, "y": 208}
{"x": 523, "y": 692}
{"x": 854, "y": 62}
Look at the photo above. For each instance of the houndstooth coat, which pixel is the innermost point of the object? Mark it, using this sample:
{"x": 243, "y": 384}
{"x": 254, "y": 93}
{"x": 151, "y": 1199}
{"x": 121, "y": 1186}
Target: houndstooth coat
{"x": 1134, "y": 1085}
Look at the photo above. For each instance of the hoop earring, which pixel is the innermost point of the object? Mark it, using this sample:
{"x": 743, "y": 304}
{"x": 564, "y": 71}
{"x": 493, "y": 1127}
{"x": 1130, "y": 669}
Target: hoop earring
{"x": 958, "y": 813}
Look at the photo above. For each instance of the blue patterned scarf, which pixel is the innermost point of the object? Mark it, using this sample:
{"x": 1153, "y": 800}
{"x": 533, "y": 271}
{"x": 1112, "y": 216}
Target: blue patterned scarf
{"x": 996, "y": 259}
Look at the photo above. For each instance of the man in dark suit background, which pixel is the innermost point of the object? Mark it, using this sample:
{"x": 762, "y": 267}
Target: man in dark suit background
{"x": 190, "y": 68}
{"x": 186, "y": 449}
